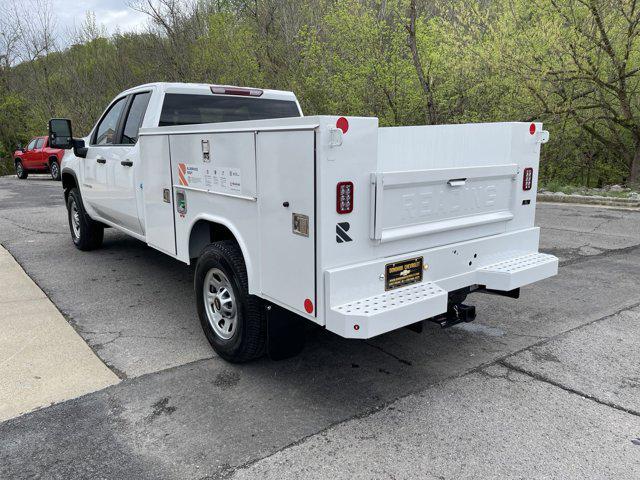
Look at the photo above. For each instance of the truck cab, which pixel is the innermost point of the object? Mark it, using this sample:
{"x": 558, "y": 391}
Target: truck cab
{"x": 333, "y": 219}
{"x": 109, "y": 175}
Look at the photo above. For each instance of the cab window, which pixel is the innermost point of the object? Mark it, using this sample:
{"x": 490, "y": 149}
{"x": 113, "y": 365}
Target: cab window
{"x": 39, "y": 142}
{"x": 107, "y": 129}
{"x": 135, "y": 117}
{"x": 32, "y": 144}
{"x": 187, "y": 109}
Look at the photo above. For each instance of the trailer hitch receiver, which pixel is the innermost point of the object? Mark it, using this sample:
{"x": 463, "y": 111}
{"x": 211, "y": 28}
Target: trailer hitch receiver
{"x": 457, "y": 313}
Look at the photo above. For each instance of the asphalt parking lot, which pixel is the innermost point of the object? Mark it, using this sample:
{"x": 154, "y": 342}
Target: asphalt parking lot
{"x": 547, "y": 386}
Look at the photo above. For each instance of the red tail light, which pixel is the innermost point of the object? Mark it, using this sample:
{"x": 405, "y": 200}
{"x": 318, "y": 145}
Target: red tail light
{"x": 344, "y": 197}
{"x": 246, "y": 92}
{"x": 527, "y": 178}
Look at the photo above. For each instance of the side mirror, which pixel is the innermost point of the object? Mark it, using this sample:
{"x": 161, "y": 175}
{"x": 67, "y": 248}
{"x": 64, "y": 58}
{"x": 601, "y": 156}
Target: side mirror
{"x": 60, "y": 133}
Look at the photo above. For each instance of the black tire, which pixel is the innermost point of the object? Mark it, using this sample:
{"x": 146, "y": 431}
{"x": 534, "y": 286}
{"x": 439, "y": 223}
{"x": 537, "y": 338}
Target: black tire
{"x": 21, "y": 173}
{"x": 87, "y": 234}
{"x": 249, "y": 336}
{"x": 54, "y": 169}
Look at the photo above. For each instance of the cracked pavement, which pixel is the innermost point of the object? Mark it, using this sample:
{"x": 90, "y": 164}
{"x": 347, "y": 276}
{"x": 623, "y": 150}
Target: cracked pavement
{"x": 544, "y": 386}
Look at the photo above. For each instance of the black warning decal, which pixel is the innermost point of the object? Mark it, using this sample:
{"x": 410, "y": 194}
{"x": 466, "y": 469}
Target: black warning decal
{"x": 341, "y": 232}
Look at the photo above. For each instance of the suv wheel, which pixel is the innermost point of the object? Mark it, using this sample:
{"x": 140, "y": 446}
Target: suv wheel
{"x": 233, "y": 321}
{"x": 54, "y": 169}
{"x": 86, "y": 234}
{"x": 21, "y": 173}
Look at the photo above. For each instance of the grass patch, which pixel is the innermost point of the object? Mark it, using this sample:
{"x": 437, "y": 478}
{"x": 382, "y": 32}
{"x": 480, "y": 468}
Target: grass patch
{"x": 555, "y": 187}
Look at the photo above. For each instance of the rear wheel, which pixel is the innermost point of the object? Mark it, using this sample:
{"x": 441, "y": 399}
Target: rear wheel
{"x": 54, "y": 169}
{"x": 21, "y": 173}
{"x": 232, "y": 319}
{"x": 86, "y": 233}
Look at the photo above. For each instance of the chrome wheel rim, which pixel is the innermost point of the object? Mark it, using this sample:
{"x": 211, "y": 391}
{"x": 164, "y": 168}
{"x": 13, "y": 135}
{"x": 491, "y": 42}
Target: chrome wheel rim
{"x": 75, "y": 219}
{"x": 54, "y": 170}
{"x": 19, "y": 168}
{"x": 220, "y": 304}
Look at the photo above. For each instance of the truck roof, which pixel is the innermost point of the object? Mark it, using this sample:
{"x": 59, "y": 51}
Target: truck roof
{"x": 205, "y": 89}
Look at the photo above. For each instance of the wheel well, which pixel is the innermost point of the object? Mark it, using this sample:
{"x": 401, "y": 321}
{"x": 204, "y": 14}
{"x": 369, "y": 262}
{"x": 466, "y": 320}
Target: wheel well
{"x": 68, "y": 182}
{"x": 52, "y": 158}
{"x": 205, "y": 232}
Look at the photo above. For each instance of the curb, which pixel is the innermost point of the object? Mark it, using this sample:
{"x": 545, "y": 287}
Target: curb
{"x": 589, "y": 200}
{"x": 42, "y": 359}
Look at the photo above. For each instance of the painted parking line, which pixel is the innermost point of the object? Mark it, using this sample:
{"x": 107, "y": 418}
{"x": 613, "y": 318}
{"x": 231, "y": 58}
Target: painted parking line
{"x": 42, "y": 359}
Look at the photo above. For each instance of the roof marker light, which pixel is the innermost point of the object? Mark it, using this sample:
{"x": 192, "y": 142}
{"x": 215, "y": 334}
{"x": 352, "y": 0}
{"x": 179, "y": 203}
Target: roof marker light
{"x": 532, "y": 128}
{"x": 245, "y": 92}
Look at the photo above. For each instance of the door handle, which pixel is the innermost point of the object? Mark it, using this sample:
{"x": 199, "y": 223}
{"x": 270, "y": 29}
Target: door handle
{"x": 101, "y": 160}
{"x": 457, "y": 182}
{"x": 126, "y": 163}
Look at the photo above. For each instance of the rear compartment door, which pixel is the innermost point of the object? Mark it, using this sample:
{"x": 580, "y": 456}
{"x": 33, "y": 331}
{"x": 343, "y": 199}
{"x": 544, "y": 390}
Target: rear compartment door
{"x": 422, "y": 202}
{"x": 286, "y": 196}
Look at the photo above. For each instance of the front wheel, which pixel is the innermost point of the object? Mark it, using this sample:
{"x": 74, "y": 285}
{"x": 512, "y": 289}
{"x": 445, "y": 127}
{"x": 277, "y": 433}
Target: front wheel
{"x": 86, "y": 233}
{"x": 54, "y": 169}
{"x": 21, "y": 173}
{"x": 232, "y": 319}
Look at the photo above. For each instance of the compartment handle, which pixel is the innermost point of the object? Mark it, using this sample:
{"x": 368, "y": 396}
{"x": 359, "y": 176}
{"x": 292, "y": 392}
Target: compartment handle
{"x": 457, "y": 182}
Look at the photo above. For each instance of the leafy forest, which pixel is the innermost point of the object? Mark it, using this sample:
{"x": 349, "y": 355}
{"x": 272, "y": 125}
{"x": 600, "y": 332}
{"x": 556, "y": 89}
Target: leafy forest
{"x": 573, "y": 64}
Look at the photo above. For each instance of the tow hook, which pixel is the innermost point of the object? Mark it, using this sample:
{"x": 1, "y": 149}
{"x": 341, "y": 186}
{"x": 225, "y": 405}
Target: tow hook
{"x": 457, "y": 313}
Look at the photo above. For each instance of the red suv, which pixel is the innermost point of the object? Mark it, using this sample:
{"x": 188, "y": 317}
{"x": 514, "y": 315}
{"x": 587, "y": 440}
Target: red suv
{"x": 38, "y": 158}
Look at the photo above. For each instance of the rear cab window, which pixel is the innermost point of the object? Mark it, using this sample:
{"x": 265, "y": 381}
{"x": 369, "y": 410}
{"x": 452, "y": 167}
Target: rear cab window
{"x": 134, "y": 118}
{"x": 191, "y": 109}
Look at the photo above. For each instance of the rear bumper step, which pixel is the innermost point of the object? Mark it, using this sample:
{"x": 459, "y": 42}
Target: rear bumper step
{"x": 515, "y": 272}
{"x": 374, "y": 315}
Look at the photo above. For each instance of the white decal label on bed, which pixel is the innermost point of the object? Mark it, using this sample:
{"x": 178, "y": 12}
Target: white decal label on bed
{"x": 223, "y": 178}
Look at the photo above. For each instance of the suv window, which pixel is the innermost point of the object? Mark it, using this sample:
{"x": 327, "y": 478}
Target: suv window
{"x": 185, "y": 109}
{"x": 39, "y": 143}
{"x": 134, "y": 118}
{"x": 108, "y": 126}
{"x": 31, "y": 144}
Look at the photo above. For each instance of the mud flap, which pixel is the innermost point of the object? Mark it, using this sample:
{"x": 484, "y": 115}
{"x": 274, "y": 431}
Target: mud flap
{"x": 286, "y": 333}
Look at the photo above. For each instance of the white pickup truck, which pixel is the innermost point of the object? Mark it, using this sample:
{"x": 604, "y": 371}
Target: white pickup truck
{"x": 357, "y": 228}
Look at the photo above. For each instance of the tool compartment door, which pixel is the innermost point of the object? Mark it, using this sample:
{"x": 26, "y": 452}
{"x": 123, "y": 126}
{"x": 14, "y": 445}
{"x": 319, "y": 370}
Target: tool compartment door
{"x": 286, "y": 197}
{"x": 157, "y": 193}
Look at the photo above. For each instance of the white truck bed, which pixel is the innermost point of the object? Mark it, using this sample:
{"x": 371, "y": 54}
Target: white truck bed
{"x": 449, "y": 197}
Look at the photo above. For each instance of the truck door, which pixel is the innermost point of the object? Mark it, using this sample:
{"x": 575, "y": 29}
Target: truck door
{"x": 123, "y": 165}
{"x": 102, "y": 149}
{"x": 38, "y": 154}
{"x": 286, "y": 200}
{"x": 28, "y": 156}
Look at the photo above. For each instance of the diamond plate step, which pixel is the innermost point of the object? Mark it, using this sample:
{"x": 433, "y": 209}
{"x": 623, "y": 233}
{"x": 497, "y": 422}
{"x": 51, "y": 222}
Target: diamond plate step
{"x": 377, "y": 313}
{"x": 518, "y": 271}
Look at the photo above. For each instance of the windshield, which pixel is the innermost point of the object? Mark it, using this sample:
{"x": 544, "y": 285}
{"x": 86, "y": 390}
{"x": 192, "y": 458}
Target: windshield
{"x": 185, "y": 109}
